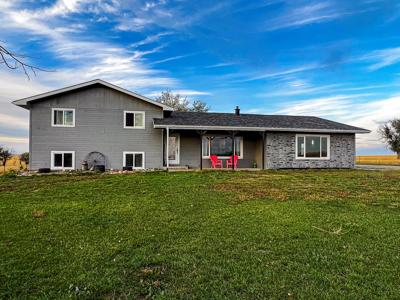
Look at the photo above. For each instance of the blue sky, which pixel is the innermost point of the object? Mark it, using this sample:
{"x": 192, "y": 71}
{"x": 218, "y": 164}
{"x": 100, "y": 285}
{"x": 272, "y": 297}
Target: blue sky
{"x": 335, "y": 59}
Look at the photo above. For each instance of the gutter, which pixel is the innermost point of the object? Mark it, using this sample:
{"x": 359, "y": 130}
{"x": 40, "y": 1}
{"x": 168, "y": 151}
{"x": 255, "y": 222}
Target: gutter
{"x": 196, "y": 127}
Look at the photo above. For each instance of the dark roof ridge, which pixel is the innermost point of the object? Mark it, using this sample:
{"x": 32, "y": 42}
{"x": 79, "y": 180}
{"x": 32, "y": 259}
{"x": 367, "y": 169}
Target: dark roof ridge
{"x": 246, "y": 114}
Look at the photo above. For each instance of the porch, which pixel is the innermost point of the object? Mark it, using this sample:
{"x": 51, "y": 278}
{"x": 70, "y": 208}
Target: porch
{"x": 191, "y": 149}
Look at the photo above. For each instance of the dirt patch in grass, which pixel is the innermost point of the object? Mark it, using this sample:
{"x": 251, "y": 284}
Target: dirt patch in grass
{"x": 151, "y": 279}
{"x": 310, "y": 187}
{"x": 39, "y": 213}
{"x": 244, "y": 192}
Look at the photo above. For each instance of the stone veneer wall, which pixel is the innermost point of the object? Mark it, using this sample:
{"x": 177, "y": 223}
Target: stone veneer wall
{"x": 281, "y": 153}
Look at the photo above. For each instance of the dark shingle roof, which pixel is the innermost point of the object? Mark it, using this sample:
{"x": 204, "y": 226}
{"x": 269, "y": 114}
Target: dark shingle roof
{"x": 264, "y": 122}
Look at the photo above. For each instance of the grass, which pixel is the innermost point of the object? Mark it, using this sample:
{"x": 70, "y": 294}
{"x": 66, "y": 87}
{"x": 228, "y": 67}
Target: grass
{"x": 201, "y": 235}
{"x": 378, "y": 160}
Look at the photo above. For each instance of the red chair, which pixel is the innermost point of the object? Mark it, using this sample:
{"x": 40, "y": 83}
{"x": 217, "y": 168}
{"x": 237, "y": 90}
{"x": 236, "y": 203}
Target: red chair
{"x": 215, "y": 162}
{"x": 229, "y": 162}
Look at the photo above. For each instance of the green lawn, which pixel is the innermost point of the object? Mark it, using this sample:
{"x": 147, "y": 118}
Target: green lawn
{"x": 210, "y": 235}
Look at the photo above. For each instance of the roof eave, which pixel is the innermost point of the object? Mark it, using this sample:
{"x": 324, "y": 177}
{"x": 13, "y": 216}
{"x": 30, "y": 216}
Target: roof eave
{"x": 197, "y": 127}
{"x": 24, "y": 101}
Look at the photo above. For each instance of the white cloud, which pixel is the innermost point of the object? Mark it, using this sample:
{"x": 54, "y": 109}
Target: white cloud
{"x": 151, "y": 39}
{"x": 137, "y": 17}
{"x": 303, "y": 15}
{"x": 172, "y": 58}
{"x": 382, "y": 58}
{"x": 12, "y": 140}
{"x": 350, "y": 110}
{"x": 13, "y": 118}
{"x": 220, "y": 65}
{"x": 280, "y": 73}
{"x": 87, "y": 59}
{"x": 180, "y": 92}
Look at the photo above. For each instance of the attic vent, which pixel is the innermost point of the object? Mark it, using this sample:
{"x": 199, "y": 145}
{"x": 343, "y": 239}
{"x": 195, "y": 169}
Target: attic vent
{"x": 237, "y": 111}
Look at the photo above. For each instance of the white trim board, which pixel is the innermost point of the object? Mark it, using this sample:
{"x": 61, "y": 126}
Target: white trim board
{"x": 271, "y": 129}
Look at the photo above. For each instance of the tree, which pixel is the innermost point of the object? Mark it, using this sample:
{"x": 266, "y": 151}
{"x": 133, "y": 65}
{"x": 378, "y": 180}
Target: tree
{"x": 24, "y": 157}
{"x": 199, "y": 106}
{"x": 390, "y": 133}
{"x": 5, "y": 154}
{"x": 180, "y": 103}
{"x": 15, "y": 61}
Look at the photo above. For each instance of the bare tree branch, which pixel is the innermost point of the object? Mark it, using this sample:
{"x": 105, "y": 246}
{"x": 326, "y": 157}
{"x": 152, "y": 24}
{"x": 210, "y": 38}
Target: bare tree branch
{"x": 14, "y": 61}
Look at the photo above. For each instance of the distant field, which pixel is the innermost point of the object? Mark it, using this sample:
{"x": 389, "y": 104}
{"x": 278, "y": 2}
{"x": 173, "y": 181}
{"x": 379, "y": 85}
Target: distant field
{"x": 378, "y": 160}
{"x": 12, "y": 164}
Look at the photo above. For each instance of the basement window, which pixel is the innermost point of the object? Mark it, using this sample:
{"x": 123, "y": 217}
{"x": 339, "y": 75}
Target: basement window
{"x": 62, "y": 160}
{"x": 134, "y": 160}
{"x": 312, "y": 146}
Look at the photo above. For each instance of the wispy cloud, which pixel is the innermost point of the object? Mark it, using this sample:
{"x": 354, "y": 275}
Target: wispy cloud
{"x": 151, "y": 39}
{"x": 280, "y": 73}
{"x": 185, "y": 93}
{"x": 303, "y": 15}
{"x": 87, "y": 59}
{"x": 138, "y": 17}
{"x": 173, "y": 58}
{"x": 366, "y": 114}
{"x": 382, "y": 58}
{"x": 302, "y": 87}
{"x": 220, "y": 65}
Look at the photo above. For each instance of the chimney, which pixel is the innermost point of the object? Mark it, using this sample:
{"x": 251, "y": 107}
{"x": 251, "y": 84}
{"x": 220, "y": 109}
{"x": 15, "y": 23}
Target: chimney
{"x": 237, "y": 111}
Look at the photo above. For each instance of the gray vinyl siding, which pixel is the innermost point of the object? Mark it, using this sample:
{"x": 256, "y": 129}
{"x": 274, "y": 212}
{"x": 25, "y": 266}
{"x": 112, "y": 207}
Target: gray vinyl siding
{"x": 99, "y": 115}
{"x": 190, "y": 151}
{"x": 281, "y": 152}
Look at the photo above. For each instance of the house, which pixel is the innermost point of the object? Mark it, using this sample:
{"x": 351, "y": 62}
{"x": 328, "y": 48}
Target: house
{"x": 102, "y": 124}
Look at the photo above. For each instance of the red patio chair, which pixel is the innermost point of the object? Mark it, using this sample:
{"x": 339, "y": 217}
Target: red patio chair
{"x": 215, "y": 162}
{"x": 229, "y": 162}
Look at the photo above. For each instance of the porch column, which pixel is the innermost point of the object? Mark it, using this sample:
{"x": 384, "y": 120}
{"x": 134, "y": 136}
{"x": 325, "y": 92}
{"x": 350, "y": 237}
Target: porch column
{"x": 201, "y": 151}
{"x": 263, "y": 150}
{"x": 201, "y": 134}
{"x": 233, "y": 149}
{"x": 167, "y": 148}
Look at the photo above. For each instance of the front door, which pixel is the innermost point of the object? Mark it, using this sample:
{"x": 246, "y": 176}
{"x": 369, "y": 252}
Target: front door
{"x": 173, "y": 151}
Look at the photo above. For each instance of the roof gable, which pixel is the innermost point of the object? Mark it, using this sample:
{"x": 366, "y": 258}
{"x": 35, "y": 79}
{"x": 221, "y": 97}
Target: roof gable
{"x": 24, "y": 102}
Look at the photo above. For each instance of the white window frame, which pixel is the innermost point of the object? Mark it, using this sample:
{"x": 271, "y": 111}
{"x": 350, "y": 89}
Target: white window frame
{"x": 328, "y": 145}
{"x": 62, "y": 152}
{"x": 134, "y": 116}
{"x": 134, "y": 152}
{"x": 221, "y": 157}
{"x": 62, "y": 109}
